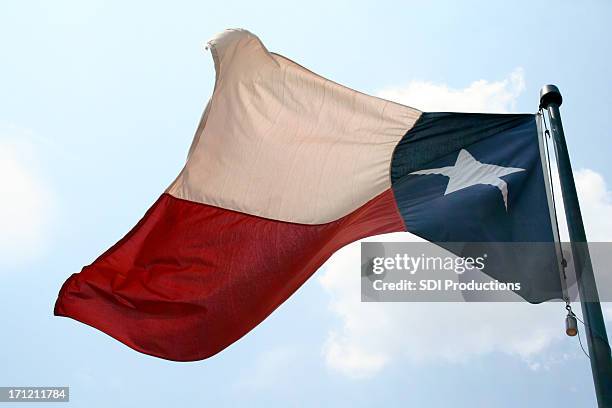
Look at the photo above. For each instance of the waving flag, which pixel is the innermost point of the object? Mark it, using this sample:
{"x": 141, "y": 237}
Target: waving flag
{"x": 287, "y": 167}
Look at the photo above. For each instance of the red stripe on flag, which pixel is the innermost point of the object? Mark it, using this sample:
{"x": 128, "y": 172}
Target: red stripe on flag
{"x": 190, "y": 279}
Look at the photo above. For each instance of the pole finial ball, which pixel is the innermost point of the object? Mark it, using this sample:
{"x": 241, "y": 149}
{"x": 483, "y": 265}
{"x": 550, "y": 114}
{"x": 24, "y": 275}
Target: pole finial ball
{"x": 550, "y": 94}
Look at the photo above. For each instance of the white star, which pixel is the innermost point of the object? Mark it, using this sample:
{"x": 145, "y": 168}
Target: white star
{"x": 468, "y": 172}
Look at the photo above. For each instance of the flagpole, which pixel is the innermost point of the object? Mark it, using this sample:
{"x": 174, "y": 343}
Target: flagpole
{"x": 595, "y": 329}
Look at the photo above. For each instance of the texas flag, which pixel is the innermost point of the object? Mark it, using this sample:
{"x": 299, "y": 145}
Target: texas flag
{"x": 285, "y": 168}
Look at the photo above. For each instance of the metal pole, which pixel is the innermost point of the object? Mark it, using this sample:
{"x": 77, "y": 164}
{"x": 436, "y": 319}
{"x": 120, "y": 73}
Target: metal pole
{"x": 597, "y": 339}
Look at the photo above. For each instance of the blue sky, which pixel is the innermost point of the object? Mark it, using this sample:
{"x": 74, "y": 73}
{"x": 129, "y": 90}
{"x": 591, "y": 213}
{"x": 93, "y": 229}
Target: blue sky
{"x": 99, "y": 102}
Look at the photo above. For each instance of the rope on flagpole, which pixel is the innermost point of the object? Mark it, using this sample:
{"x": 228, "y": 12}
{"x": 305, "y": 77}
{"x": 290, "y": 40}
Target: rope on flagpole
{"x": 571, "y": 328}
{"x": 547, "y": 136}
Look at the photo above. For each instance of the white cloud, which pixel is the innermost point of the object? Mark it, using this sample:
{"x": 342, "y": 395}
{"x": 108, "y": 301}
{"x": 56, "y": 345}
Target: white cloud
{"x": 479, "y": 96}
{"x": 596, "y": 205}
{"x": 26, "y": 203}
{"x": 596, "y": 208}
{"x": 371, "y": 336}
